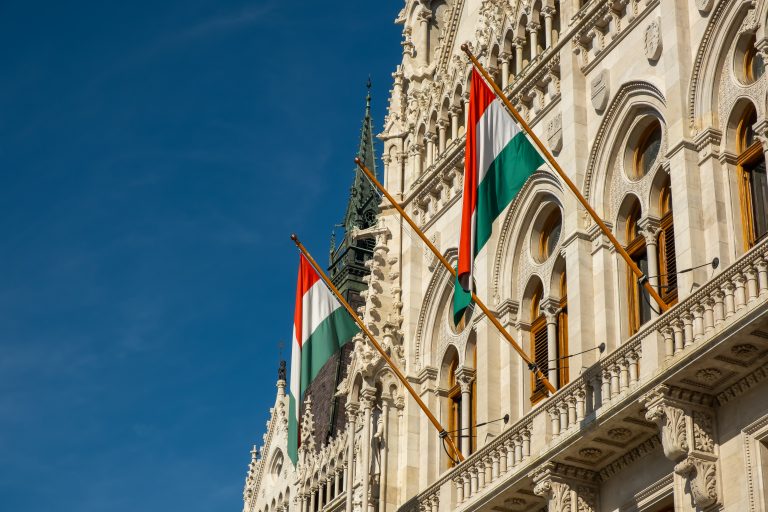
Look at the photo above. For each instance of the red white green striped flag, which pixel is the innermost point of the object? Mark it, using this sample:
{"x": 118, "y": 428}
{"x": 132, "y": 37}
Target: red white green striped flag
{"x": 498, "y": 160}
{"x": 321, "y": 326}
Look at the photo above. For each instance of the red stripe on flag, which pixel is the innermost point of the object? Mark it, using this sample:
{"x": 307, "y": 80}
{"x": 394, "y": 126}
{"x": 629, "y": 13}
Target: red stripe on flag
{"x": 307, "y": 278}
{"x": 480, "y": 97}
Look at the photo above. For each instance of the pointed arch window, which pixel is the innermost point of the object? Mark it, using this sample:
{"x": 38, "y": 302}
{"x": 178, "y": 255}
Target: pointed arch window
{"x": 461, "y": 424}
{"x": 639, "y": 309}
{"x": 753, "y": 181}
{"x": 666, "y": 245}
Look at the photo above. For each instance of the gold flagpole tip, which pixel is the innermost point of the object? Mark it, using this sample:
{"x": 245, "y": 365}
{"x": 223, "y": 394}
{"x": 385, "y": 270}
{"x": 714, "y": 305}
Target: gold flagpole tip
{"x": 357, "y": 160}
{"x": 294, "y": 237}
{"x": 465, "y": 47}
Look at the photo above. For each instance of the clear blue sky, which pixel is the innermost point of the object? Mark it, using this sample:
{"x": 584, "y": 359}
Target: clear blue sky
{"x": 154, "y": 157}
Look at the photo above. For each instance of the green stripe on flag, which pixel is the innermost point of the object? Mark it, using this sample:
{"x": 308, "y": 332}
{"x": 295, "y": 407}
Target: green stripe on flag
{"x": 501, "y": 184}
{"x": 332, "y": 334}
{"x": 461, "y": 301}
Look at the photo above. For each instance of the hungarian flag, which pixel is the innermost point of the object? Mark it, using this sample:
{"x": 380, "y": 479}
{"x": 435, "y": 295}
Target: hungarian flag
{"x": 498, "y": 160}
{"x": 321, "y": 326}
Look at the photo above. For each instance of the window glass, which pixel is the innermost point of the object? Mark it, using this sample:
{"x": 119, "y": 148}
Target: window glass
{"x": 648, "y": 150}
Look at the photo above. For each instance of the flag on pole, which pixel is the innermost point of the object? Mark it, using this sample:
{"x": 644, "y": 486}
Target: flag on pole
{"x": 321, "y": 326}
{"x": 497, "y": 162}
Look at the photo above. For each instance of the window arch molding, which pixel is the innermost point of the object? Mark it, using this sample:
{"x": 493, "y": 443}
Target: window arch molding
{"x": 510, "y": 271}
{"x": 708, "y": 104}
{"x": 433, "y": 331}
{"x": 605, "y": 183}
{"x": 745, "y": 159}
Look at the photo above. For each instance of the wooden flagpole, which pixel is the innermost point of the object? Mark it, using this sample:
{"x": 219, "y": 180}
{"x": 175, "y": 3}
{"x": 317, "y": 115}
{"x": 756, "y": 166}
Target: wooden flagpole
{"x": 642, "y": 278}
{"x": 443, "y": 433}
{"x": 531, "y": 365}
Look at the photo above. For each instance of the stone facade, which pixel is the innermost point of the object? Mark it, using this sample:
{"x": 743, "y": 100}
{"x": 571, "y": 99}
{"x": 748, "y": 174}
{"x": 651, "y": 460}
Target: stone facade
{"x": 646, "y": 104}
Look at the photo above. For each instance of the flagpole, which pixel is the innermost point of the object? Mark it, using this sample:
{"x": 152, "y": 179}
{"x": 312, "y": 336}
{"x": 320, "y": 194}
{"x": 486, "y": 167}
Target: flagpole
{"x": 642, "y": 278}
{"x": 443, "y": 433}
{"x": 531, "y": 365}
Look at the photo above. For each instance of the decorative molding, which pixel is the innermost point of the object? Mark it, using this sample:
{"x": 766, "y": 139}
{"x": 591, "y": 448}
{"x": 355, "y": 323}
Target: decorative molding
{"x": 648, "y": 446}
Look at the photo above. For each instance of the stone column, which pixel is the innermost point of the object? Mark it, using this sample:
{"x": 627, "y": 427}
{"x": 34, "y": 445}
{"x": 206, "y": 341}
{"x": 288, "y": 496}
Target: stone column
{"x": 465, "y": 376}
{"x": 519, "y": 45}
{"x": 551, "y": 309}
{"x": 687, "y": 423}
{"x": 442, "y": 126}
{"x": 465, "y": 105}
{"x": 415, "y": 153}
{"x": 368, "y": 396}
{"x": 422, "y": 52}
{"x": 352, "y": 409}
{"x": 533, "y": 30}
{"x": 455, "y": 113}
{"x": 505, "y": 58}
{"x": 649, "y": 229}
{"x": 430, "y": 138}
{"x": 383, "y": 456}
{"x": 548, "y": 12}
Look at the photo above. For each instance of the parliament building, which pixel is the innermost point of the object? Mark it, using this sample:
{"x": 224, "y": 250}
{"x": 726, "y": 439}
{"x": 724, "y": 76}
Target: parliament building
{"x": 658, "y": 111}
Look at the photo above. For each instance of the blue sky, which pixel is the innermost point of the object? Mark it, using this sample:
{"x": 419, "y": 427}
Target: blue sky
{"x": 154, "y": 158}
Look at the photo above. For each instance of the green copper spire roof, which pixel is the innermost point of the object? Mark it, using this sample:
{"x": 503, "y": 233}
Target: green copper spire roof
{"x": 363, "y": 198}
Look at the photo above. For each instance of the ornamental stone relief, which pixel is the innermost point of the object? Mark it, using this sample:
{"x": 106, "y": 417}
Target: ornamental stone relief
{"x": 554, "y": 132}
{"x": 680, "y": 414}
{"x": 653, "y": 43}
{"x": 704, "y": 5}
{"x": 732, "y": 88}
{"x": 600, "y": 90}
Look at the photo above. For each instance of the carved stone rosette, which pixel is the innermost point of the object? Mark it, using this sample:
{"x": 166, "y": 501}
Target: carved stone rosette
{"x": 687, "y": 425}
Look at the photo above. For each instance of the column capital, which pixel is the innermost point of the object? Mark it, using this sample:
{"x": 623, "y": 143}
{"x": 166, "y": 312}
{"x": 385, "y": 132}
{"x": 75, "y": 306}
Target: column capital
{"x": 649, "y": 228}
{"x": 550, "y": 307}
{"x": 465, "y": 376}
{"x": 548, "y": 11}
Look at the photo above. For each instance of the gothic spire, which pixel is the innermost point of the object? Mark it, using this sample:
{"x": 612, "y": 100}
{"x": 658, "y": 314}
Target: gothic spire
{"x": 363, "y": 198}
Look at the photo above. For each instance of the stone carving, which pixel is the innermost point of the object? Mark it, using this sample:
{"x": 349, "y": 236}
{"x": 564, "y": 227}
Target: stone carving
{"x": 620, "y": 434}
{"x": 704, "y": 5}
{"x": 586, "y": 499}
{"x": 702, "y": 432}
{"x": 281, "y": 372}
{"x": 555, "y": 133}
{"x": 702, "y": 477}
{"x": 680, "y": 413}
{"x": 653, "y": 43}
{"x": 590, "y": 453}
{"x": 557, "y": 494}
{"x": 709, "y": 375}
{"x": 600, "y": 88}
{"x": 671, "y": 422}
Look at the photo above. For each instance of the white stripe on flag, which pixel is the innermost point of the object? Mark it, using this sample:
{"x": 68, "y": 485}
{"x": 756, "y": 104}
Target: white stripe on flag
{"x": 316, "y": 305}
{"x": 494, "y": 131}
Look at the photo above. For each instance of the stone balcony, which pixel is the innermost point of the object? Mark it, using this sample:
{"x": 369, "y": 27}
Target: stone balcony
{"x": 705, "y": 351}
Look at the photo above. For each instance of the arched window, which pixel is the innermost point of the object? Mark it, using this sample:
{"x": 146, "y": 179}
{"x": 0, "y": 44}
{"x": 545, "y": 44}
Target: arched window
{"x": 550, "y": 235}
{"x": 666, "y": 244}
{"x": 754, "y": 67}
{"x": 457, "y": 402}
{"x": 562, "y": 332}
{"x": 639, "y": 309}
{"x": 647, "y": 150}
{"x": 539, "y": 345}
{"x": 753, "y": 182}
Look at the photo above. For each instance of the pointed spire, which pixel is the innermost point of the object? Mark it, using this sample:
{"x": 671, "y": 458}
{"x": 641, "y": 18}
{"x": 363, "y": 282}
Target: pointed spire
{"x": 363, "y": 197}
{"x": 365, "y": 151}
